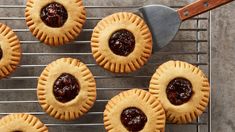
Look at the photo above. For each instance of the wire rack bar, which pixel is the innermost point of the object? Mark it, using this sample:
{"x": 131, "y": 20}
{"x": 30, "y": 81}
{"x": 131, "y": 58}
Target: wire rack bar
{"x": 209, "y": 69}
{"x": 36, "y": 101}
{"x": 119, "y": 7}
{"x": 91, "y": 30}
{"x": 72, "y": 54}
{"x": 34, "y": 89}
{"x": 88, "y": 18}
{"x": 92, "y": 65}
{"x": 96, "y": 77}
{"x": 88, "y": 42}
{"x": 101, "y": 124}
{"x": 42, "y": 113}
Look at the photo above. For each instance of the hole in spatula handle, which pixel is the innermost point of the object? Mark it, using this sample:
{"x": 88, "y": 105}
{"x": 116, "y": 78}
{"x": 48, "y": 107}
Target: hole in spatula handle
{"x": 206, "y": 4}
{"x": 186, "y": 13}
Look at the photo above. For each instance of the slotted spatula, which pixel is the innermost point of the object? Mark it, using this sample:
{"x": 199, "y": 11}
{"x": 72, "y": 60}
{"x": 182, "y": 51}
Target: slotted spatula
{"x": 164, "y": 22}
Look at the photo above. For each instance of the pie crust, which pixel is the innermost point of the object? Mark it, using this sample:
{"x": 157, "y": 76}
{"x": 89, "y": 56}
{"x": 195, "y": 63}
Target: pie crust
{"x": 81, "y": 103}
{"x": 190, "y": 110}
{"x": 55, "y": 36}
{"x": 140, "y": 99}
{"x": 21, "y": 122}
{"x": 11, "y": 51}
{"x": 116, "y": 63}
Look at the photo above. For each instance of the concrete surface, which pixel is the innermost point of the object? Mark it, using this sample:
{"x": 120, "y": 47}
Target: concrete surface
{"x": 223, "y": 66}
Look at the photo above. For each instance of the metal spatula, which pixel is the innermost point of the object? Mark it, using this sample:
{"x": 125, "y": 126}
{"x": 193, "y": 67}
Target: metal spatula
{"x": 164, "y": 22}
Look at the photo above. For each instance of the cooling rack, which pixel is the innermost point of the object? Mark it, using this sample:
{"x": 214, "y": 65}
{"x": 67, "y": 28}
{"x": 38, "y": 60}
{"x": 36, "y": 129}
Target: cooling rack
{"x": 18, "y": 92}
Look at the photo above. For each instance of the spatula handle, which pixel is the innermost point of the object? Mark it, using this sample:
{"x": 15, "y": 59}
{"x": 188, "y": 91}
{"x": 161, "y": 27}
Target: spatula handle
{"x": 200, "y": 7}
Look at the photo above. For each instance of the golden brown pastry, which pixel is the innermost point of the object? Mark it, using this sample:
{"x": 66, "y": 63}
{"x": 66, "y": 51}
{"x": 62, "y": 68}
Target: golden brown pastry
{"x": 66, "y": 89}
{"x": 21, "y": 123}
{"x": 136, "y": 111}
{"x": 183, "y": 90}
{"x": 55, "y": 22}
{"x": 10, "y": 51}
{"x": 121, "y": 42}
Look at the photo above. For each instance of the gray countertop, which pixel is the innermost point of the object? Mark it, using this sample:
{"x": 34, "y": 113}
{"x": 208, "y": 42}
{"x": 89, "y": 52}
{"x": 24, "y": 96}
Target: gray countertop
{"x": 223, "y": 66}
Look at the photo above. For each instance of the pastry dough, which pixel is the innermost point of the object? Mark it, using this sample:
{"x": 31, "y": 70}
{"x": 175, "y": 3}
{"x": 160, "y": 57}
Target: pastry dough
{"x": 190, "y": 110}
{"x": 81, "y": 103}
{"x": 140, "y": 99}
{"x": 55, "y": 36}
{"x": 117, "y": 63}
{"x": 11, "y": 51}
{"x": 21, "y": 122}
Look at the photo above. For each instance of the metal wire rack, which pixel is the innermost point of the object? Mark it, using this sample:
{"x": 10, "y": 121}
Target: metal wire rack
{"x": 18, "y": 92}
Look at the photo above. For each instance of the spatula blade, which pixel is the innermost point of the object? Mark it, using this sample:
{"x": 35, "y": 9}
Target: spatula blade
{"x": 164, "y": 23}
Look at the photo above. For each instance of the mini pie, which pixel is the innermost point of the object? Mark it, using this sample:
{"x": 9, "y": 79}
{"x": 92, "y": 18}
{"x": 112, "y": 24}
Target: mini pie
{"x": 21, "y": 123}
{"x": 66, "y": 89}
{"x": 134, "y": 110}
{"x": 121, "y": 42}
{"x": 10, "y": 51}
{"x": 183, "y": 90}
{"x": 55, "y": 22}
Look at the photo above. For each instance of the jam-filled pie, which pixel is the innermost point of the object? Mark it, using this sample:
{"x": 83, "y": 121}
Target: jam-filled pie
{"x": 66, "y": 89}
{"x": 183, "y": 90}
{"x": 21, "y": 122}
{"x": 121, "y": 42}
{"x": 10, "y": 51}
{"x": 134, "y": 111}
{"x": 55, "y": 22}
